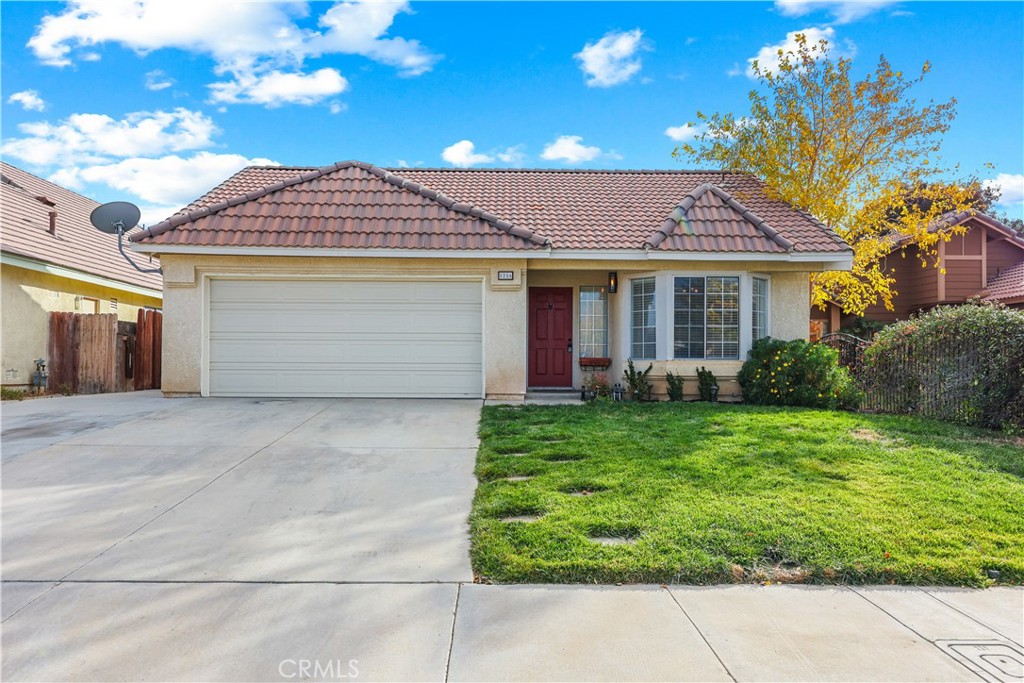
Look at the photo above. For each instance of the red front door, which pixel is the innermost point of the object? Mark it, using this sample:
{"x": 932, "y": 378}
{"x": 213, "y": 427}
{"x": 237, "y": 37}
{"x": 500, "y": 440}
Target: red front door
{"x": 550, "y": 344}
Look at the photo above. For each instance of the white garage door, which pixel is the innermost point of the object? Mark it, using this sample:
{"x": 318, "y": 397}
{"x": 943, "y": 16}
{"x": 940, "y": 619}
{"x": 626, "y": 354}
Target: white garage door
{"x": 345, "y": 338}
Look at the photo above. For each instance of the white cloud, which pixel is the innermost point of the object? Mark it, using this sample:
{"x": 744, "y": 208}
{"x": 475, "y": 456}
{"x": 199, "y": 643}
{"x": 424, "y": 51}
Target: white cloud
{"x": 462, "y": 154}
{"x": 767, "y": 57}
{"x": 165, "y": 181}
{"x": 685, "y": 132}
{"x": 28, "y": 99}
{"x": 612, "y": 59}
{"x": 95, "y": 138}
{"x": 158, "y": 80}
{"x": 275, "y": 88}
{"x": 359, "y": 28}
{"x": 513, "y": 156}
{"x": 1011, "y": 186}
{"x": 571, "y": 150}
{"x": 843, "y": 11}
{"x": 264, "y": 49}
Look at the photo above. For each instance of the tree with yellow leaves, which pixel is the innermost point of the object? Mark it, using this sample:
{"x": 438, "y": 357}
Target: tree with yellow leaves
{"x": 860, "y": 156}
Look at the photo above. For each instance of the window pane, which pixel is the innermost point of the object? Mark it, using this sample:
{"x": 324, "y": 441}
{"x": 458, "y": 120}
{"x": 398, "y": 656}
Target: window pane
{"x": 760, "y": 308}
{"x": 723, "y": 317}
{"x": 593, "y": 322}
{"x": 689, "y": 317}
{"x": 644, "y": 343}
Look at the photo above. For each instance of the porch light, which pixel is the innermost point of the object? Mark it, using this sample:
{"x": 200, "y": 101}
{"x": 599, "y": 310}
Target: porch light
{"x": 613, "y": 282}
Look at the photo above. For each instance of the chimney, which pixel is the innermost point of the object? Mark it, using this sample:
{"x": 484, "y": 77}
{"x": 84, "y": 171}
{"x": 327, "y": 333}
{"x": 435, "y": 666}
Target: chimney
{"x": 53, "y": 223}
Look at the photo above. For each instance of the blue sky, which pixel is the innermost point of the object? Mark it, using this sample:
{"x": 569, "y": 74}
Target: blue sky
{"x": 156, "y": 102}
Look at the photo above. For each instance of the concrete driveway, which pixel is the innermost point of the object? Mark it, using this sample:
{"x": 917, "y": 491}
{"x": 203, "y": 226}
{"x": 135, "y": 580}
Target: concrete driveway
{"x": 101, "y": 493}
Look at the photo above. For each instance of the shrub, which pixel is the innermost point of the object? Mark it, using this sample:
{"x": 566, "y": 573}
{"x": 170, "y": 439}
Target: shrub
{"x": 959, "y": 363}
{"x": 705, "y": 381}
{"x": 796, "y": 373}
{"x": 599, "y": 384}
{"x": 636, "y": 381}
{"x": 675, "y": 386}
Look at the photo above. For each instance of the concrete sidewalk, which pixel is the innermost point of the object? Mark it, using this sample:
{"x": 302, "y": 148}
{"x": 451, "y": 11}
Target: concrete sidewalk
{"x": 464, "y": 632}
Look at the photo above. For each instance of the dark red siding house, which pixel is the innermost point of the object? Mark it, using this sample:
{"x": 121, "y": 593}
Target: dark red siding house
{"x": 987, "y": 262}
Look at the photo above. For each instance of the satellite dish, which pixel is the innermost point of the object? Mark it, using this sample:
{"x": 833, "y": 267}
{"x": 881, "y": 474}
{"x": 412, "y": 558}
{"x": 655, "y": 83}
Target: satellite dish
{"x": 115, "y": 217}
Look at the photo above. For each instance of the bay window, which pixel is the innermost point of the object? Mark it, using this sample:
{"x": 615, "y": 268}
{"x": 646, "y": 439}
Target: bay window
{"x": 703, "y": 316}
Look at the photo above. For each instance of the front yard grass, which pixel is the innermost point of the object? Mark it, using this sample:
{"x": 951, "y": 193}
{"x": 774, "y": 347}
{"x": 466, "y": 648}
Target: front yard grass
{"x": 710, "y": 493}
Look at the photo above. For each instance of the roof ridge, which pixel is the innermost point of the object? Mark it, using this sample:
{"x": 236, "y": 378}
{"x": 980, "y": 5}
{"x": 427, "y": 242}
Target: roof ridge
{"x": 60, "y": 188}
{"x": 312, "y": 174}
{"x": 679, "y": 214}
{"x": 609, "y": 171}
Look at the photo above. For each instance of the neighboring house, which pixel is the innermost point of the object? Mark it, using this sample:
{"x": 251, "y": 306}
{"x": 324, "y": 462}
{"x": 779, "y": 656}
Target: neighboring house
{"x": 54, "y": 260}
{"x": 987, "y": 262}
{"x": 353, "y": 280}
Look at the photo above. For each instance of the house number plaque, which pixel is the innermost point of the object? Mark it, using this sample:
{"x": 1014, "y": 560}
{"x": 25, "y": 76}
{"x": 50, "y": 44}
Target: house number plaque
{"x": 505, "y": 275}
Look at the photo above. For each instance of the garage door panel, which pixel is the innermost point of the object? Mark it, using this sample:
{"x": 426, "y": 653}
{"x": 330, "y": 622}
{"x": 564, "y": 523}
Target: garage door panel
{"x": 286, "y": 353}
{"x": 345, "y": 338}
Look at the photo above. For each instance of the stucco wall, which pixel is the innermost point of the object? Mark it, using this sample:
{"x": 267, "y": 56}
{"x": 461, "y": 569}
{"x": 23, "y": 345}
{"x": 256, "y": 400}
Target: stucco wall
{"x": 186, "y": 278}
{"x": 28, "y": 297}
{"x": 505, "y": 308}
{"x": 789, "y": 312}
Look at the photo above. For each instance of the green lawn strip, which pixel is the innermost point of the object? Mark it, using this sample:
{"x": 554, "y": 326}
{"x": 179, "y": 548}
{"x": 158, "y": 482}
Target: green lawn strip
{"x": 710, "y": 493}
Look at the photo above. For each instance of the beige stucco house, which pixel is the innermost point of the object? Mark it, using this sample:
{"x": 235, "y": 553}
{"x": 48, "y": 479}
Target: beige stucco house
{"x": 353, "y": 280}
{"x": 52, "y": 259}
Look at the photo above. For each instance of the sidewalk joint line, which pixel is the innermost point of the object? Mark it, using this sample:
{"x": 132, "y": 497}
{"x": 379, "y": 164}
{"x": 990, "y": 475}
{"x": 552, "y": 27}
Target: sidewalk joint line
{"x": 908, "y": 627}
{"x": 699, "y": 632}
{"x": 957, "y": 609}
{"x": 451, "y": 641}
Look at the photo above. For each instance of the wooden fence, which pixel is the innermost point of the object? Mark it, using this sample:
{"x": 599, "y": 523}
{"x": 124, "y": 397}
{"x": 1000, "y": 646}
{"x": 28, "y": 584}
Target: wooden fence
{"x": 95, "y": 354}
{"x": 148, "y": 339}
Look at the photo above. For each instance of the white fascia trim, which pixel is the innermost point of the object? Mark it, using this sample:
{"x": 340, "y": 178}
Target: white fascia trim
{"x": 16, "y": 261}
{"x": 841, "y": 260}
{"x": 336, "y": 253}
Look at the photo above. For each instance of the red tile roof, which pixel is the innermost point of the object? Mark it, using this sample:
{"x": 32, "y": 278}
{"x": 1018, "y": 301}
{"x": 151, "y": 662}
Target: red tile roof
{"x": 76, "y": 245}
{"x": 356, "y": 205}
{"x": 1007, "y": 286}
{"x": 348, "y": 205}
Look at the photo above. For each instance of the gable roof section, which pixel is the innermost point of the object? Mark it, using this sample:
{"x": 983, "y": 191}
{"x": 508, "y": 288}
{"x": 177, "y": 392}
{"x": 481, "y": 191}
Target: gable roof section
{"x": 566, "y": 209}
{"x": 1008, "y": 286}
{"x": 76, "y": 245}
{"x": 954, "y": 218}
{"x": 348, "y": 205}
{"x": 581, "y": 209}
{"x": 710, "y": 219}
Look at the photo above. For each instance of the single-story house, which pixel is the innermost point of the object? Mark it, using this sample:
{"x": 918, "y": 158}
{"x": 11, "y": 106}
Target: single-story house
{"x": 986, "y": 262}
{"x": 354, "y": 280}
{"x": 54, "y": 260}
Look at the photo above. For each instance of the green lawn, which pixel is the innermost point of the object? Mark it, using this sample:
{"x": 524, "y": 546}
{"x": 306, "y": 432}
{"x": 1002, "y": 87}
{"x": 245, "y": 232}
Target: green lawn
{"x": 710, "y": 493}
